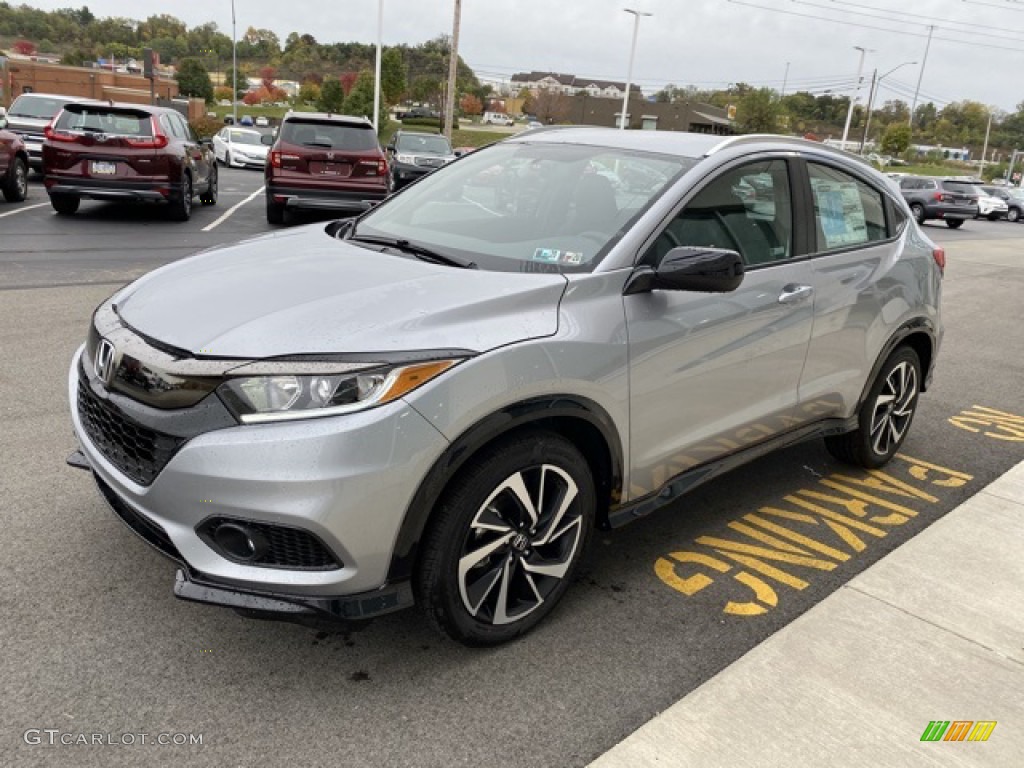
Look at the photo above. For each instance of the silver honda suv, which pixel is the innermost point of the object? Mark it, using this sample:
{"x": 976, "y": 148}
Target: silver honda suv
{"x": 440, "y": 401}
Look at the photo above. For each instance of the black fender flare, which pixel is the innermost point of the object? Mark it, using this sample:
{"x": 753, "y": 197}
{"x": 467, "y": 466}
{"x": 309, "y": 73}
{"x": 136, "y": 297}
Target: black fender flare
{"x": 511, "y": 417}
{"x": 913, "y": 326}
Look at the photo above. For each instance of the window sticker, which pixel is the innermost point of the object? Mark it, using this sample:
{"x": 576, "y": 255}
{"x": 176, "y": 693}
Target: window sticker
{"x": 840, "y": 211}
{"x": 556, "y": 256}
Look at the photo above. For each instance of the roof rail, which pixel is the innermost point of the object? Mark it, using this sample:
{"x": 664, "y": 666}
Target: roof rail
{"x": 753, "y": 138}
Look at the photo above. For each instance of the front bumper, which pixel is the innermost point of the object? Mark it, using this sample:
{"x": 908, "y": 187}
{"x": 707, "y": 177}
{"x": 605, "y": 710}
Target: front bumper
{"x": 347, "y": 480}
{"x": 404, "y": 173}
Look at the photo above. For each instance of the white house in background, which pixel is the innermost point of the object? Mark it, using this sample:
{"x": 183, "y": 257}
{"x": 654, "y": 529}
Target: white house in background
{"x": 570, "y": 85}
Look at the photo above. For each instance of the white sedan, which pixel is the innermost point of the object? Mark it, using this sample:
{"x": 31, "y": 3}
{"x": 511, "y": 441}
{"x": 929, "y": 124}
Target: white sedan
{"x": 241, "y": 147}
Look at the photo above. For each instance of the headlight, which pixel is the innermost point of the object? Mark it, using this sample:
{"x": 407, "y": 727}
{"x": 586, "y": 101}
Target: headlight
{"x": 285, "y": 397}
{"x": 408, "y": 159}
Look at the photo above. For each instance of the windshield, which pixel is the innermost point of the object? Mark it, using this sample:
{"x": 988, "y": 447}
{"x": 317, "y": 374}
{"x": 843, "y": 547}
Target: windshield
{"x": 244, "y": 137}
{"x": 329, "y": 135}
{"x": 522, "y": 207}
{"x": 423, "y": 144}
{"x": 37, "y": 107}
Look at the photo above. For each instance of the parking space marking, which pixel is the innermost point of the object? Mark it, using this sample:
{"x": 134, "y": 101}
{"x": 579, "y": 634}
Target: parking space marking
{"x": 227, "y": 214}
{"x": 850, "y": 513}
{"x": 22, "y": 210}
{"x": 1003, "y": 426}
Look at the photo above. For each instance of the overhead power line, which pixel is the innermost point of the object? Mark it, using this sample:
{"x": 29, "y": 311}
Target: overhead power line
{"x": 936, "y": 22}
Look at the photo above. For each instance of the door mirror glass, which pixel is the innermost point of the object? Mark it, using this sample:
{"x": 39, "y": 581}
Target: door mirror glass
{"x": 691, "y": 268}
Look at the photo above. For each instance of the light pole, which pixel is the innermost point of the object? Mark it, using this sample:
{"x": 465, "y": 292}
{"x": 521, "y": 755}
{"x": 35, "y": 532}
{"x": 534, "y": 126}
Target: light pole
{"x": 984, "y": 151}
{"x": 920, "y": 77}
{"x": 234, "y": 68}
{"x": 856, "y": 92}
{"x": 785, "y": 81}
{"x": 376, "y": 81}
{"x": 629, "y": 74}
{"x": 877, "y": 81}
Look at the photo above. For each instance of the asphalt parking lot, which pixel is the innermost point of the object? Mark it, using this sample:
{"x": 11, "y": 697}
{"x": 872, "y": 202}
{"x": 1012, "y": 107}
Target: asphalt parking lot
{"x": 94, "y": 641}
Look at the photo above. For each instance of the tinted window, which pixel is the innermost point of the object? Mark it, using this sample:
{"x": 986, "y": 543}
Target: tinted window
{"x": 328, "y": 135}
{"x": 846, "y": 210}
{"x": 423, "y": 144}
{"x": 170, "y": 127}
{"x": 102, "y": 119}
{"x": 185, "y": 128}
{"x": 960, "y": 187}
{"x": 746, "y": 209}
{"x": 38, "y": 107}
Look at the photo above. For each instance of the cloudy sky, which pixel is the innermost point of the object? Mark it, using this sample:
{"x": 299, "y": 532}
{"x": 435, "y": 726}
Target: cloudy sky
{"x": 977, "y": 43}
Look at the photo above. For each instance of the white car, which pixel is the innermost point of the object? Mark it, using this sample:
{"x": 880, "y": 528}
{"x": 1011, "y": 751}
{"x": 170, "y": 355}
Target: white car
{"x": 262, "y": 121}
{"x": 497, "y": 118}
{"x": 989, "y": 207}
{"x": 241, "y": 147}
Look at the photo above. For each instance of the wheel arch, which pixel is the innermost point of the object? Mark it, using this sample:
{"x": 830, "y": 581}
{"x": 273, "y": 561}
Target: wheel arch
{"x": 580, "y": 420}
{"x": 920, "y": 335}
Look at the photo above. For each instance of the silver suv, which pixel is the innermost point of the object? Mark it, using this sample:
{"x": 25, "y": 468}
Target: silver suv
{"x": 441, "y": 400}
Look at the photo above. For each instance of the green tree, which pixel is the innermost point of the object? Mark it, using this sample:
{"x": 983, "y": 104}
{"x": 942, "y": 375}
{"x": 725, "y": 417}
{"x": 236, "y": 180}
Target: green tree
{"x": 359, "y": 102}
{"x": 243, "y": 82}
{"x": 896, "y": 139}
{"x": 392, "y": 76}
{"x": 309, "y": 93}
{"x": 194, "y": 80}
{"x": 758, "y": 111}
{"x": 332, "y": 96}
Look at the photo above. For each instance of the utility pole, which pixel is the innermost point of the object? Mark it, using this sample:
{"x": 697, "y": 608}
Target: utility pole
{"x": 234, "y": 68}
{"x": 984, "y": 151}
{"x": 376, "y": 81}
{"x": 920, "y": 77}
{"x": 867, "y": 117}
{"x": 856, "y": 92}
{"x": 785, "y": 80}
{"x": 453, "y": 69}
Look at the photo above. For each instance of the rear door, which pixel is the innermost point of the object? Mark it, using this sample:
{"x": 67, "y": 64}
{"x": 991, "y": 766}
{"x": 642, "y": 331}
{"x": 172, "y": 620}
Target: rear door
{"x": 324, "y": 153}
{"x": 713, "y": 373}
{"x": 199, "y": 155}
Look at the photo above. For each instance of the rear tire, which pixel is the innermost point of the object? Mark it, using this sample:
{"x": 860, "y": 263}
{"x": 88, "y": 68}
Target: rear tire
{"x": 885, "y": 417}
{"x": 506, "y": 539}
{"x": 209, "y": 197}
{"x": 954, "y": 223}
{"x": 15, "y": 188}
{"x": 181, "y": 208}
{"x": 65, "y": 205}
{"x": 918, "y": 210}
{"x": 275, "y": 213}
{"x": 1013, "y": 214}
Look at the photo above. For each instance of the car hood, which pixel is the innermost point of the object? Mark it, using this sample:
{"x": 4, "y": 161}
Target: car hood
{"x": 303, "y": 292}
{"x": 253, "y": 150}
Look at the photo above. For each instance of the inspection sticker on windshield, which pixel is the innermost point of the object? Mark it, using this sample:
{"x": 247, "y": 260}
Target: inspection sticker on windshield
{"x": 555, "y": 256}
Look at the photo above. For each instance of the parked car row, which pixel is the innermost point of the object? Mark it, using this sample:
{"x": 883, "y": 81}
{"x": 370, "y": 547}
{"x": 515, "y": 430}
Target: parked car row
{"x": 956, "y": 200}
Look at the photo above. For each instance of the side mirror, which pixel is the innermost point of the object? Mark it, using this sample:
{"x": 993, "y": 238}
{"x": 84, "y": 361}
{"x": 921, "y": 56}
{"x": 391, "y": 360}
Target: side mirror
{"x": 690, "y": 268}
{"x": 267, "y": 139}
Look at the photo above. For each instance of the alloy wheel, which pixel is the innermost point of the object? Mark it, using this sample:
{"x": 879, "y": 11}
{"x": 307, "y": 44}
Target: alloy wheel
{"x": 894, "y": 408}
{"x": 520, "y": 545}
{"x": 20, "y": 180}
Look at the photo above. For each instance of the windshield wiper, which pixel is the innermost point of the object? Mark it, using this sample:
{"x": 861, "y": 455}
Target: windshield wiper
{"x": 416, "y": 250}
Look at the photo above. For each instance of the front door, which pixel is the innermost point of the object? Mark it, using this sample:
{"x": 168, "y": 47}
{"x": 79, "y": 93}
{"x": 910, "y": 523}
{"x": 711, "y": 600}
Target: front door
{"x": 711, "y": 374}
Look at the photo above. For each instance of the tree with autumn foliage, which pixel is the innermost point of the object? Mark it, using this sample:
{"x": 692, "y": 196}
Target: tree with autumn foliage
{"x": 471, "y": 105}
{"x": 24, "y": 48}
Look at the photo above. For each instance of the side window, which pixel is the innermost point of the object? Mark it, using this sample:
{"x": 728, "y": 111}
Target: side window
{"x": 170, "y": 127}
{"x": 846, "y": 210}
{"x": 747, "y": 209}
{"x": 184, "y": 129}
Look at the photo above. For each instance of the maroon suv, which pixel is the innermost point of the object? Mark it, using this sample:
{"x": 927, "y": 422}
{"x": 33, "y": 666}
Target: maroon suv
{"x": 13, "y": 167}
{"x": 126, "y": 152}
{"x": 325, "y": 162}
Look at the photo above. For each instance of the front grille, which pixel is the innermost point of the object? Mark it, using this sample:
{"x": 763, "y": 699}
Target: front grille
{"x": 429, "y": 162}
{"x": 138, "y": 451}
{"x": 145, "y": 528}
{"x": 287, "y": 547}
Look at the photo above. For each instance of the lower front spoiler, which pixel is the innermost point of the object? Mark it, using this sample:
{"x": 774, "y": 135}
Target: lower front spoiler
{"x": 196, "y": 587}
{"x": 299, "y": 609}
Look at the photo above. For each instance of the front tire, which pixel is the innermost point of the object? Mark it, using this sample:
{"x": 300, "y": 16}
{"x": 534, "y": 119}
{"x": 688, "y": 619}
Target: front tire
{"x": 954, "y": 223}
{"x": 993, "y": 217}
{"x": 65, "y": 205}
{"x": 1013, "y": 214}
{"x": 15, "y": 188}
{"x": 506, "y": 539}
{"x": 209, "y": 197}
{"x": 885, "y": 417}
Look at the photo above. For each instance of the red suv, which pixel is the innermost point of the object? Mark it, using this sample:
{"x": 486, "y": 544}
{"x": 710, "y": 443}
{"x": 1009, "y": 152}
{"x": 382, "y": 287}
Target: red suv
{"x": 325, "y": 162}
{"x": 126, "y": 152}
{"x": 13, "y": 167}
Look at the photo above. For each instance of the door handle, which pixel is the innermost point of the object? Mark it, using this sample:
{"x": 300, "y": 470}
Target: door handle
{"x": 793, "y": 294}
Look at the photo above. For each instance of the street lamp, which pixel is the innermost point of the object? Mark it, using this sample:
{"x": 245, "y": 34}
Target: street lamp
{"x": 856, "y": 92}
{"x": 632, "y": 54}
{"x": 871, "y": 98}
